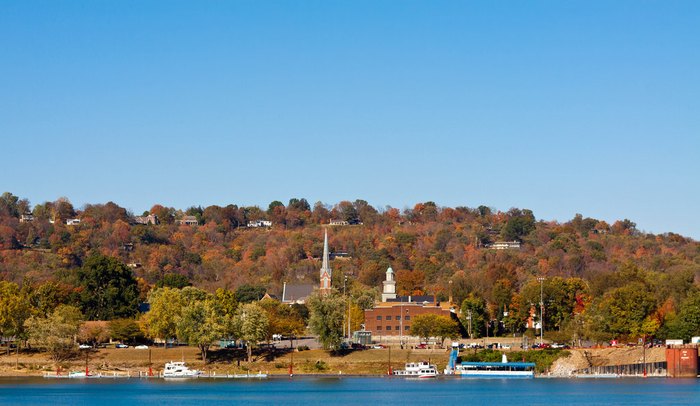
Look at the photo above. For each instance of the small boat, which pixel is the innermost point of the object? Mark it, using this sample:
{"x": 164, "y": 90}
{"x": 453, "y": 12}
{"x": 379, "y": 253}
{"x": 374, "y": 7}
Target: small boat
{"x": 259, "y": 375}
{"x": 179, "y": 370}
{"x": 81, "y": 374}
{"x": 418, "y": 370}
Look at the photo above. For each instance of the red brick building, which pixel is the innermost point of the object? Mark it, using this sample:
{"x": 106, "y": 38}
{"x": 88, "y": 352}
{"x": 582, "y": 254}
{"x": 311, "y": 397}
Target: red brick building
{"x": 391, "y": 318}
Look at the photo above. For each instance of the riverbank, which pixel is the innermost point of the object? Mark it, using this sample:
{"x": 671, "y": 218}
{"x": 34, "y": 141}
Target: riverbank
{"x": 365, "y": 362}
{"x": 133, "y": 361}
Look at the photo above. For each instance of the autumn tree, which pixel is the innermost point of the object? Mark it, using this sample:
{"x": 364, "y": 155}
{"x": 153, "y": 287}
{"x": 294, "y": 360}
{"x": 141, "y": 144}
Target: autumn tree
{"x": 14, "y": 310}
{"x": 160, "y": 322}
{"x": 410, "y": 283}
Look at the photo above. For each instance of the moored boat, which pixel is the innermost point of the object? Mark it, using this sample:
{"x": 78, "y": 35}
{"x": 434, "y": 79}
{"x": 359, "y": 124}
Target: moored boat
{"x": 179, "y": 370}
{"x": 418, "y": 370}
{"x": 503, "y": 369}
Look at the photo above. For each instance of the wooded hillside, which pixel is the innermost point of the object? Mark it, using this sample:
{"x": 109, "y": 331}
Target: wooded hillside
{"x": 625, "y": 282}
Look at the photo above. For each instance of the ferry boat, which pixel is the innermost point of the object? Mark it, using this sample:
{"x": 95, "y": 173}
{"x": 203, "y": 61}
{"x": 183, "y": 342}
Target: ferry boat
{"x": 503, "y": 369}
{"x": 418, "y": 370}
{"x": 179, "y": 370}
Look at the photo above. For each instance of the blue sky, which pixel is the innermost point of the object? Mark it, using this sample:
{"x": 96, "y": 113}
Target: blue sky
{"x": 561, "y": 107}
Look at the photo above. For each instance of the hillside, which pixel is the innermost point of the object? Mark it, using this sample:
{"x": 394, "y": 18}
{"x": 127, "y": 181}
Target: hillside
{"x": 590, "y": 267}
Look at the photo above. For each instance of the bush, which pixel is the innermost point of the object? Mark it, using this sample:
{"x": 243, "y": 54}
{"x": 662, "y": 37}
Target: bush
{"x": 320, "y": 366}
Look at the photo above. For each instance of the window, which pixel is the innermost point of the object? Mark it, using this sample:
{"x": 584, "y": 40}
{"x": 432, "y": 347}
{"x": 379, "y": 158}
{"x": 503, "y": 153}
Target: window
{"x": 398, "y": 317}
{"x": 398, "y": 328}
{"x": 388, "y": 328}
{"x": 406, "y": 328}
{"x": 388, "y": 317}
{"x": 379, "y": 317}
{"x": 407, "y": 317}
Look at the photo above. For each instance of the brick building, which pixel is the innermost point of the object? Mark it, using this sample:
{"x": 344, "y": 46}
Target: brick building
{"x": 395, "y": 318}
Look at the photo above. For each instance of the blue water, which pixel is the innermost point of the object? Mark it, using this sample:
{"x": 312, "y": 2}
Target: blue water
{"x": 377, "y": 391}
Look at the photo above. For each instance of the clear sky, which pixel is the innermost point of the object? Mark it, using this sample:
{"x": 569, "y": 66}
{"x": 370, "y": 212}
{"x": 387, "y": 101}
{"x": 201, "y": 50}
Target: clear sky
{"x": 562, "y": 107}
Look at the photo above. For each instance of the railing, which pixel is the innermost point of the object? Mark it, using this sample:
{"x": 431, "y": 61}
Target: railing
{"x": 651, "y": 368}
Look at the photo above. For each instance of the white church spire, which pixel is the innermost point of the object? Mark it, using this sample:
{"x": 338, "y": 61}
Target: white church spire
{"x": 325, "y": 286}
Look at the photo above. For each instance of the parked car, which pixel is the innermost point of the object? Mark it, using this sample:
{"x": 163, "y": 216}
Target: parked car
{"x": 121, "y": 346}
{"x": 378, "y": 346}
{"x": 141, "y": 347}
{"x": 84, "y": 346}
{"x": 422, "y": 346}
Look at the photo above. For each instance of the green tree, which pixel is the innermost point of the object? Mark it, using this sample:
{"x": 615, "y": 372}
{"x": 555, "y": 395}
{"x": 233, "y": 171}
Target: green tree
{"x": 124, "y": 330}
{"x": 55, "y": 333}
{"x": 8, "y": 205}
{"x": 247, "y": 293}
{"x": 109, "y": 289}
{"x": 520, "y": 224}
{"x": 173, "y": 280}
{"x": 252, "y": 325}
{"x": 445, "y": 327}
{"x": 201, "y": 325}
{"x": 686, "y": 324}
{"x": 423, "y": 325}
{"x": 474, "y": 307}
{"x": 625, "y": 309}
{"x": 326, "y": 314}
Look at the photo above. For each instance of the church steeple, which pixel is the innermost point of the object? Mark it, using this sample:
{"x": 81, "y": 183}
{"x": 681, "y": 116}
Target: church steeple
{"x": 389, "y": 291}
{"x": 325, "y": 286}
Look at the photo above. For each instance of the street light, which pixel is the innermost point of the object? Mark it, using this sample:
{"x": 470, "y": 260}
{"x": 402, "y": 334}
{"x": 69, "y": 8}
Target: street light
{"x": 541, "y": 279}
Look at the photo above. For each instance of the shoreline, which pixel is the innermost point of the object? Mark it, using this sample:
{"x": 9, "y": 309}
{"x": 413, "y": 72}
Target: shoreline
{"x": 365, "y": 363}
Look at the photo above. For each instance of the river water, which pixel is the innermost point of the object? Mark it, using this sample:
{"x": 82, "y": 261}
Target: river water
{"x": 372, "y": 391}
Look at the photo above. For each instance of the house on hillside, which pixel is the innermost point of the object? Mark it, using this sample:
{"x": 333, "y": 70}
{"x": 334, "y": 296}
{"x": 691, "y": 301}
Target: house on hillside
{"x": 187, "y": 221}
{"x": 259, "y": 223}
{"x": 504, "y": 245}
{"x": 150, "y": 219}
{"x": 26, "y": 218}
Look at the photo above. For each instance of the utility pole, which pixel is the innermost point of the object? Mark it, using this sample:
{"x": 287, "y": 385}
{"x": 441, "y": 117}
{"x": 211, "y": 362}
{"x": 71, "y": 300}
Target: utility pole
{"x": 401, "y": 326}
{"x": 345, "y": 281}
{"x": 541, "y": 279}
{"x": 469, "y": 318}
{"x": 349, "y": 315}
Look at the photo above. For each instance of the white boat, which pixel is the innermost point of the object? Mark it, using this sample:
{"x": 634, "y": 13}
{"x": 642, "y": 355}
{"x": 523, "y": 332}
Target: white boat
{"x": 418, "y": 370}
{"x": 179, "y": 370}
{"x": 259, "y": 375}
{"x": 503, "y": 369}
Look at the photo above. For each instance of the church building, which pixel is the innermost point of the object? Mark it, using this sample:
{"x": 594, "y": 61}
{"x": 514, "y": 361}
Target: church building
{"x": 325, "y": 286}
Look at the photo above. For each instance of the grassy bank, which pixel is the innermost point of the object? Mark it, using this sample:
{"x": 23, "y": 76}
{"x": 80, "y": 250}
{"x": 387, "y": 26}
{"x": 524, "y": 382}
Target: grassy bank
{"x": 365, "y": 362}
